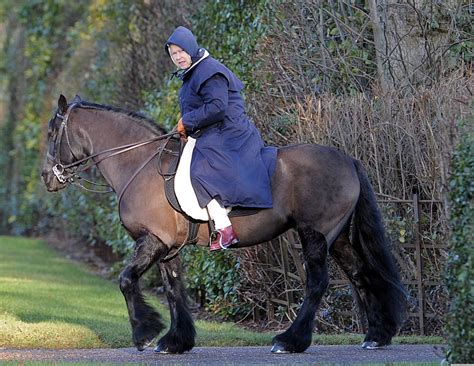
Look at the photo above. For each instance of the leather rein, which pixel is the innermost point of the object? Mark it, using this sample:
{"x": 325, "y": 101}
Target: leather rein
{"x": 69, "y": 173}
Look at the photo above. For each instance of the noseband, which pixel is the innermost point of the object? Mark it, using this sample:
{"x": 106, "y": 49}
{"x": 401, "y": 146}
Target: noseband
{"x": 59, "y": 169}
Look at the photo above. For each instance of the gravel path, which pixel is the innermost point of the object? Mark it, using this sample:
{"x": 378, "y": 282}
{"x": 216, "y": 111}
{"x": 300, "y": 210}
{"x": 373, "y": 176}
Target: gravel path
{"x": 235, "y": 355}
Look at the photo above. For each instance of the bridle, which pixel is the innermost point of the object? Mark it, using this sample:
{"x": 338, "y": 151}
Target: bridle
{"x": 69, "y": 173}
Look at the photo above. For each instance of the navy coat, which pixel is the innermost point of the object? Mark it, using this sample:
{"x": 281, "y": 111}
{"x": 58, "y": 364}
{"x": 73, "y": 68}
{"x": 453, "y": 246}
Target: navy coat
{"x": 230, "y": 162}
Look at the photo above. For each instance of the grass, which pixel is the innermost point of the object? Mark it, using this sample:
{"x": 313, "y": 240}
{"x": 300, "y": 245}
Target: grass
{"x": 47, "y": 301}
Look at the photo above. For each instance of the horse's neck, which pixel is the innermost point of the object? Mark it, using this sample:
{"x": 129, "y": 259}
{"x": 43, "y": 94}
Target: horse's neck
{"x": 112, "y": 130}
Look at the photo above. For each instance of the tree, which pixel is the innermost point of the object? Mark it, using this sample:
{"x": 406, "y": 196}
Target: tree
{"x": 411, "y": 38}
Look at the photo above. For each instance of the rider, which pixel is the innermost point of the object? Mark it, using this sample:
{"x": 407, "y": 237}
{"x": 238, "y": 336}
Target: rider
{"x": 230, "y": 165}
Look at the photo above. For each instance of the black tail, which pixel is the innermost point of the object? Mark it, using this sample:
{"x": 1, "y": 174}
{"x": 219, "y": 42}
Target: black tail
{"x": 371, "y": 243}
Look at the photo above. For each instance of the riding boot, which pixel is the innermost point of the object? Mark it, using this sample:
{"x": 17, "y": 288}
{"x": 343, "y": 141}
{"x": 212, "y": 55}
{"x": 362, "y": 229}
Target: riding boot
{"x": 223, "y": 239}
{"x": 223, "y": 236}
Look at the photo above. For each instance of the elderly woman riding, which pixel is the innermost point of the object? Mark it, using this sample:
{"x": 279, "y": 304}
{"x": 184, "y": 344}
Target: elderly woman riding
{"x": 230, "y": 166}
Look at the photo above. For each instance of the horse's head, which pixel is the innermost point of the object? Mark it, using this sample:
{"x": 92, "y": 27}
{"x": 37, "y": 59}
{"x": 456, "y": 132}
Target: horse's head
{"x": 64, "y": 147}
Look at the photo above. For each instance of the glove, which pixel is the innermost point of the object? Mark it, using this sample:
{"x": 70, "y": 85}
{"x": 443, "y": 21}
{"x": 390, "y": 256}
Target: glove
{"x": 180, "y": 128}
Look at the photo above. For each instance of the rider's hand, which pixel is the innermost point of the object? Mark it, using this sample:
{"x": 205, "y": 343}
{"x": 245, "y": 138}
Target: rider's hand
{"x": 180, "y": 128}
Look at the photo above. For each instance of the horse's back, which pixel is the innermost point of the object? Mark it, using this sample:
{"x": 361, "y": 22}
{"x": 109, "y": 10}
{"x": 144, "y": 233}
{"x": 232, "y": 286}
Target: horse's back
{"x": 318, "y": 184}
{"x": 316, "y": 162}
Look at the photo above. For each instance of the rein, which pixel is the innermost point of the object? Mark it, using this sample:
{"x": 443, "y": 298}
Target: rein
{"x": 63, "y": 171}
{"x": 150, "y": 158}
{"x": 66, "y": 173}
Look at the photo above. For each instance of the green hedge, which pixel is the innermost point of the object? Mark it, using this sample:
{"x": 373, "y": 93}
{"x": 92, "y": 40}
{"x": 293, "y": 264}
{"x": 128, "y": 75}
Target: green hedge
{"x": 76, "y": 49}
{"x": 460, "y": 273}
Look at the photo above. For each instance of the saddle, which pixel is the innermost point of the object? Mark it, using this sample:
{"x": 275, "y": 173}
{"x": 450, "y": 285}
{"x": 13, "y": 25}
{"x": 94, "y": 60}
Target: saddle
{"x": 174, "y": 148}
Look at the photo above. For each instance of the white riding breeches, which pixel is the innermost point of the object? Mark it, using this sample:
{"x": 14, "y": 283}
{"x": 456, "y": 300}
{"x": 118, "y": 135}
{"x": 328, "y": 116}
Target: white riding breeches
{"x": 218, "y": 214}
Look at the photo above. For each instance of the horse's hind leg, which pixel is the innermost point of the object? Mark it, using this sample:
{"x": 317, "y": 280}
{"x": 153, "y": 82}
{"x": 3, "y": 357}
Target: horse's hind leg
{"x": 146, "y": 322}
{"x": 380, "y": 330}
{"x": 180, "y": 337}
{"x": 298, "y": 337}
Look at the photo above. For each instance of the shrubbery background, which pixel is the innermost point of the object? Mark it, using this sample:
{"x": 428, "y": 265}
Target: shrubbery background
{"x": 320, "y": 72}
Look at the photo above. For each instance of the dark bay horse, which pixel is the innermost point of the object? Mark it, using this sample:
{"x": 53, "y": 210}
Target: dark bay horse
{"x": 317, "y": 190}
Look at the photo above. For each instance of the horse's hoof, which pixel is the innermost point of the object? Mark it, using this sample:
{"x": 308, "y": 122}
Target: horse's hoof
{"x": 158, "y": 349}
{"x": 277, "y": 348}
{"x": 144, "y": 346}
{"x": 371, "y": 345}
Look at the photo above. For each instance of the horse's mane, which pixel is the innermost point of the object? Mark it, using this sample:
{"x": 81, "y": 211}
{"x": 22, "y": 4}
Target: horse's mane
{"x": 137, "y": 117}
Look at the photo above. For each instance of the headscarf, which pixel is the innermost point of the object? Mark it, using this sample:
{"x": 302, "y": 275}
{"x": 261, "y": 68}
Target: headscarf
{"x": 185, "y": 39}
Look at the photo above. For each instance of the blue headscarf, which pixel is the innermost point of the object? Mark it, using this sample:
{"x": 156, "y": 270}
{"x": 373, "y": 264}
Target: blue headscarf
{"x": 185, "y": 39}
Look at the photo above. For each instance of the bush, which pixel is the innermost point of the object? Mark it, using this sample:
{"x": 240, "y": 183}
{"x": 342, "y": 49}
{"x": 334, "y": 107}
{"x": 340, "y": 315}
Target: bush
{"x": 460, "y": 270}
{"x": 214, "y": 280}
{"x": 230, "y": 31}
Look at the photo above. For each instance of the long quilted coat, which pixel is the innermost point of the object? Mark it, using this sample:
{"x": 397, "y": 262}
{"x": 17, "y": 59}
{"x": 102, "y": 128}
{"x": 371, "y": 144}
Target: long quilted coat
{"x": 230, "y": 162}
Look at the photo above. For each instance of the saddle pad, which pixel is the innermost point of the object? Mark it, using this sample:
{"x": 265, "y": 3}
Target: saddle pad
{"x": 184, "y": 191}
{"x": 183, "y": 188}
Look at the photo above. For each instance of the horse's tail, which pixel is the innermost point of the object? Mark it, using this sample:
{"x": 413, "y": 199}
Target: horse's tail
{"x": 370, "y": 241}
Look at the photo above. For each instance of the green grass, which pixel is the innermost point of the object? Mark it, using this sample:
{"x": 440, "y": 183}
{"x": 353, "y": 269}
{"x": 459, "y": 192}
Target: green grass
{"x": 212, "y": 334}
{"x": 47, "y": 301}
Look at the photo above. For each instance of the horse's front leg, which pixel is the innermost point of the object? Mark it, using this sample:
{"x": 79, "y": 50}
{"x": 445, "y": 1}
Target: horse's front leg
{"x": 180, "y": 337}
{"x": 146, "y": 322}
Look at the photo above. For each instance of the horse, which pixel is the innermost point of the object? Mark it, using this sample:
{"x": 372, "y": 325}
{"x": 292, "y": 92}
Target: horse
{"x": 321, "y": 192}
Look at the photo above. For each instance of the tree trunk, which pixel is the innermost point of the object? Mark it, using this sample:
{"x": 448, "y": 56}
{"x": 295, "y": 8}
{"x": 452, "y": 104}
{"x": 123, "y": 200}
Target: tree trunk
{"x": 13, "y": 48}
{"x": 378, "y": 24}
{"x": 410, "y": 37}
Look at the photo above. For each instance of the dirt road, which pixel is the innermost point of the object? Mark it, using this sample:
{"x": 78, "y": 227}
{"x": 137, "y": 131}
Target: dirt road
{"x": 235, "y": 355}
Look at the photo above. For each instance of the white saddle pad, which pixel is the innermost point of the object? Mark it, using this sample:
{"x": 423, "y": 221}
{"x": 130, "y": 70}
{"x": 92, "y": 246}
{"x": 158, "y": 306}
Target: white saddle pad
{"x": 182, "y": 185}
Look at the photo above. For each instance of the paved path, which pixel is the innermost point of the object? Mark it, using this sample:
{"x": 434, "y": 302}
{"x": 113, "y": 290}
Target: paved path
{"x": 235, "y": 355}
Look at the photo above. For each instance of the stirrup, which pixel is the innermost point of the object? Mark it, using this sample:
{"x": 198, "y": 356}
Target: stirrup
{"x": 223, "y": 239}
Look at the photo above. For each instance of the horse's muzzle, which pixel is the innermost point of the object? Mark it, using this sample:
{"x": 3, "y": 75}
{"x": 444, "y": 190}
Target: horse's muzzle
{"x": 50, "y": 181}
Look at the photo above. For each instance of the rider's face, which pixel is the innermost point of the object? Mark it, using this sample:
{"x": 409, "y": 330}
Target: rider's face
{"x": 180, "y": 57}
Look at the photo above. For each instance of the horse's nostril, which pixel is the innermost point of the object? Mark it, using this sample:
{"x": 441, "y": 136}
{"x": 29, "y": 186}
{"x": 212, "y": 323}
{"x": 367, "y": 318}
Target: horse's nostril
{"x": 45, "y": 175}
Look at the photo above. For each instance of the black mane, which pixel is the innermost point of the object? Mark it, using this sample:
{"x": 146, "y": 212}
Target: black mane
{"x": 137, "y": 117}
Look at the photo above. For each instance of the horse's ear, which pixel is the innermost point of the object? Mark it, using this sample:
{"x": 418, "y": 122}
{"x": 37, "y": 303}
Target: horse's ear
{"x": 62, "y": 104}
{"x": 77, "y": 99}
